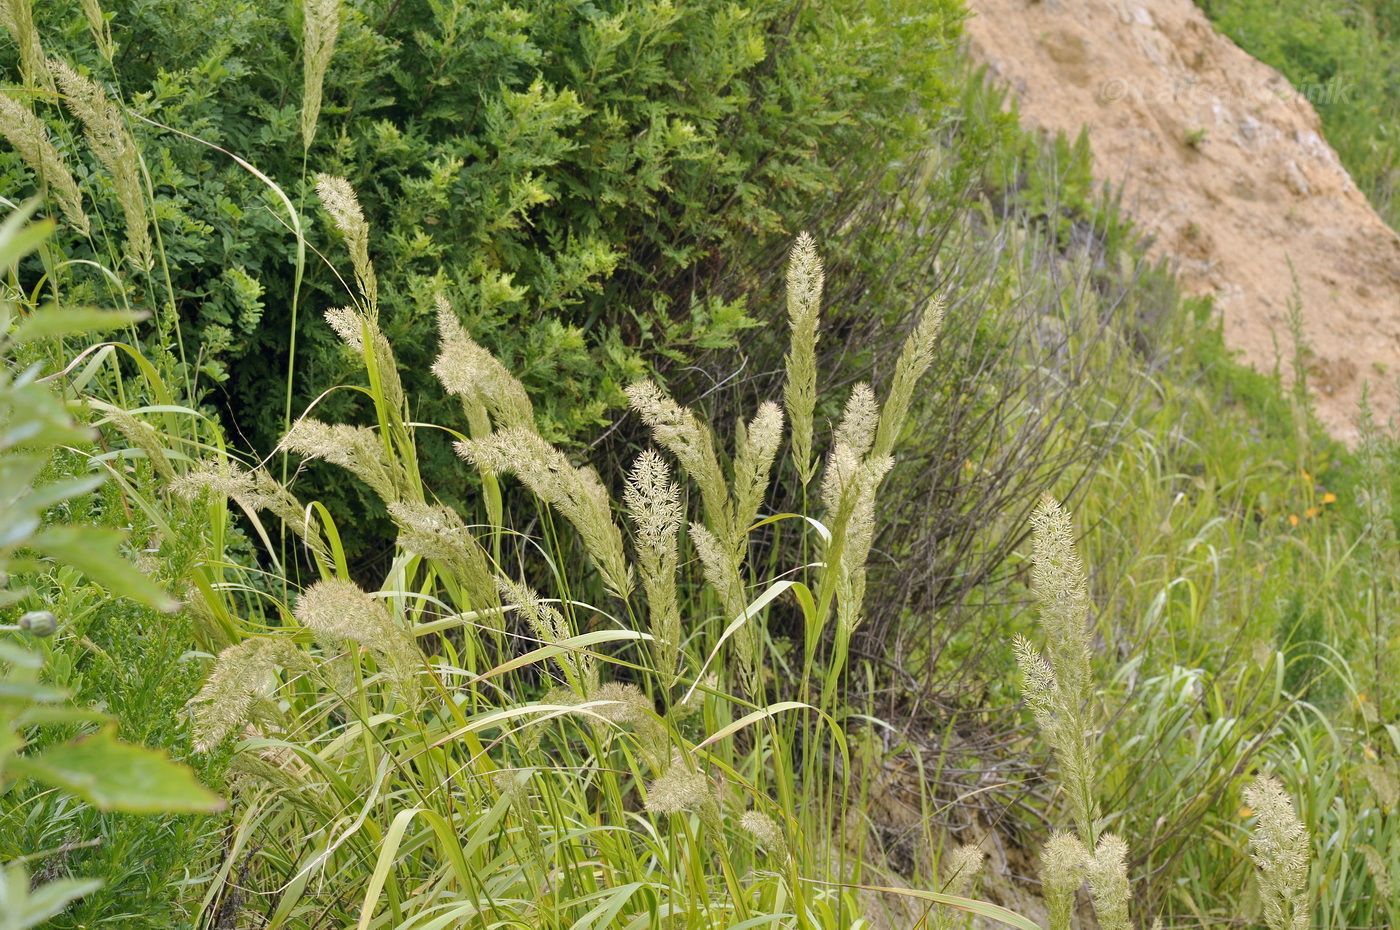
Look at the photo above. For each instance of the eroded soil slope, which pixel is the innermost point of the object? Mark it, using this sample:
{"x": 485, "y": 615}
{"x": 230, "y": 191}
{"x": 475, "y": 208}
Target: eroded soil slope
{"x": 1222, "y": 161}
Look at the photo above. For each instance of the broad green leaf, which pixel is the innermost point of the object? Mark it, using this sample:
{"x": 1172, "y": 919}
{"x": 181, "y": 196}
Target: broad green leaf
{"x": 50, "y": 321}
{"x": 21, "y": 908}
{"x": 19, "y": 237}
{"x": 118, "y": 776}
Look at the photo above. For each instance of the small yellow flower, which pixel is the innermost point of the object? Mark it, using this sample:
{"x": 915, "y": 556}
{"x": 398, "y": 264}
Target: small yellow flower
{"x": 1312, "y": 512}
{"x": 1306, "y": 477}
{"x": 1292, "y": 519}
{"x": 1361, "y": 698}
{"x": 1329, "y": 498}
{"x": 1246, "y": 812}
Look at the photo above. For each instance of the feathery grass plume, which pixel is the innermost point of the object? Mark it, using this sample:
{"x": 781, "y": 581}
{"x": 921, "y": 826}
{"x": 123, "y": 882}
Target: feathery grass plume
{"x": 320, "y": 28}
{"x": 961, "y": 870}
{"x": 723, "y": 570}
{"x": 766, "y": 833}
{"x": 100, "y": 29}
{"x": 340, "y": 611}
{"x": 467, "y": 370}
{"x": 357, "y": 449}
{"x": 577, "y": 493}
{"x": 914, "y": 359}
{"x": 753, "y": 464}
{"x": 1383, "y": 783}
{"x": 1058, "y": 685}
{"x": 438, "y": 534}
{"x": 105, "y": 129}
{"x": 18, "y": 17}
{"x": 849, "y": 489}
{"x": 654, "y": 504}
{"x": 1279, "y": 846}
{"x": 1375, "y": 865}
{"x": 634, "y": 709}
{"x": 804, "y": 298}
{"x": 1108, "y": 883}
{"x": 683, "y": 789}
{"x": 860, "y": 535}
{"x": 859, "y": 420}
{"x": 550, "y": 628}
{"x": 1064, "y": 864}
{"x": 681, "y": 432}
{"x": 243, "y": 675}
{"x": 255, "y": 491}
{"x": 141, "y": 435}
{"x": 350, "y": 326}
{"x": 340, "y": 201}
{"x": 28, "y": 136}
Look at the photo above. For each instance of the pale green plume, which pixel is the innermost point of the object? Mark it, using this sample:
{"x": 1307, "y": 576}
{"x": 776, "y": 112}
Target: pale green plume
{"x": 723, "y": 569}
{"x": 351, "y": 325}
{"x": 849, "y": 489}
{"x": 438, "y": 534}
{"x": 766, "y": 833}
{"x": 722, "y": 541}
{"x": 100, "y": 29}
{"x": 1057, "y": 685}
{"x": 17, "y": 16}
{"x": 683, "y": 789}
{"x": 654, "y": 505}
{"x": 1064, "y": 864}
{"x": 959, "y": 872}
{"x": 243, "y": 676}
{"x": 320, "y": 28}
{"x": 467, "y": 370}
{"x": 576, "y": 493}
{"x": 681, "y": 432}
{"x": 753, "y": 465}
{"x": 105, "y": 129}
{"x": 914, "y": 360}
{"x": 1108, "y": 883}
{"x": 140, "y": 435}
{"x": 254, "y": 491}
{"x": 28, "y": 136}
{"x": 550, "y": 628}
{"x": 1279, "y": 846}
{"x": 339, "y": 612}
{"x": 357, "y": 449}
{"x": 804, "y": 298}
{"x": 340, "y": 201}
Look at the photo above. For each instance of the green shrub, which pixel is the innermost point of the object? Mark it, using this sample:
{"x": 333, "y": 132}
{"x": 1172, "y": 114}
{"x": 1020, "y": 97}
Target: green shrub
{"x": 571, "y": 174}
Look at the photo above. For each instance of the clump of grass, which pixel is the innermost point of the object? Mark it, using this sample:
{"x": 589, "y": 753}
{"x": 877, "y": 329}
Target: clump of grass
{"x": 484, "y": 733}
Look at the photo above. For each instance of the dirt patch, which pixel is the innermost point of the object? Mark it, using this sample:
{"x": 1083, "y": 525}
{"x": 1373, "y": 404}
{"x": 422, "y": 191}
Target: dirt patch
{"x": 1222, "y": 162}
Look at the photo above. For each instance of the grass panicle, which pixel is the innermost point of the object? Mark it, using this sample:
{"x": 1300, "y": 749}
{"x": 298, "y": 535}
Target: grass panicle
{"x": 104, "y": 126}
{"x": 805, "y": 278}
{"x": 28, "y": 136}
{"x": 319, "y": 31}
{"x": 1278, "y": 843}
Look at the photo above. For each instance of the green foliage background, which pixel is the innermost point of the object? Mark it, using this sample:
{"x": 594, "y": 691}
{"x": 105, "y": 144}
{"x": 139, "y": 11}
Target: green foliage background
{"x": 570, "y": 174}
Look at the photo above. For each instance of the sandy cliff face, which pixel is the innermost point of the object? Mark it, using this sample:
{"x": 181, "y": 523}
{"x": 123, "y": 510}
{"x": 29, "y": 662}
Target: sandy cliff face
{"x": 1223, "y": 162}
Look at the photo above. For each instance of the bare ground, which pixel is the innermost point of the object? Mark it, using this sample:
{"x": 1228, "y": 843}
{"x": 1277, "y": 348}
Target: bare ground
{"x": 1222, "y": 162}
